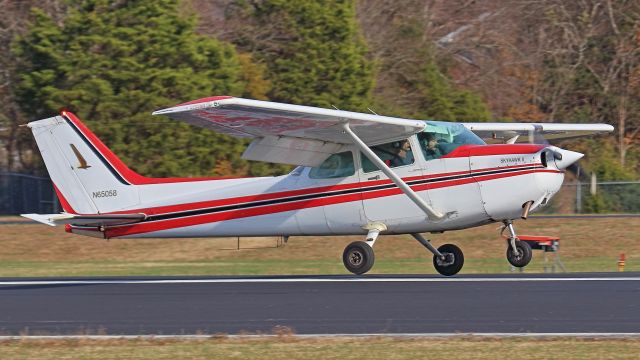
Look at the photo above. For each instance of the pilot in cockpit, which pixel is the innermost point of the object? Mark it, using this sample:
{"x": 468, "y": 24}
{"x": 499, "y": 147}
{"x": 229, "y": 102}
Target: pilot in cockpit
{"x": 402, "y": 154}
{"x": 430, "y": 148}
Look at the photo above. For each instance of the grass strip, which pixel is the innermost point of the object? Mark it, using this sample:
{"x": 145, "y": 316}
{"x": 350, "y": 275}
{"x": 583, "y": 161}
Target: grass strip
{"x": 289, "y": 348}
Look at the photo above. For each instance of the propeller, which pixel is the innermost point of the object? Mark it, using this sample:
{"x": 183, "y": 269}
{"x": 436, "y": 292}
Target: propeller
{"x": 562, "y": 158}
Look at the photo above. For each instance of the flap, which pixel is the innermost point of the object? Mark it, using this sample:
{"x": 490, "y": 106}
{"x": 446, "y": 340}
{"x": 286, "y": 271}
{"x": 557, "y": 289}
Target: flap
{"x": 292, "y": 151}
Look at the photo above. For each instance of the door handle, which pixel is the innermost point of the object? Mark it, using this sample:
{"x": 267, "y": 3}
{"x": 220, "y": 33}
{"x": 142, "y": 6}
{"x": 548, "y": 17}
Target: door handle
{"x": 377, "y": 177}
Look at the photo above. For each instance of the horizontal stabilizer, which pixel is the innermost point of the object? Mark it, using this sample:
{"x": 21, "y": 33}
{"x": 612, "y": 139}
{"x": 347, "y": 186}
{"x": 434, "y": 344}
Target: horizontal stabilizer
{"x": 85, "y": 220}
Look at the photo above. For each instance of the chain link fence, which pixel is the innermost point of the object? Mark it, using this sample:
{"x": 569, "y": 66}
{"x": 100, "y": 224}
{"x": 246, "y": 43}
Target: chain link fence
{"x": 23, "y": 194}
{"x": 611, "y": 197}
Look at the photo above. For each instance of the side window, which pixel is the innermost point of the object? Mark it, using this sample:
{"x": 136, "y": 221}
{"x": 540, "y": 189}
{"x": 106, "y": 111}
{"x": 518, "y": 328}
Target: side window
{"x": 394, "y": 154}
{"x": 432, "y": 145}
{"x": 336, "y": 166}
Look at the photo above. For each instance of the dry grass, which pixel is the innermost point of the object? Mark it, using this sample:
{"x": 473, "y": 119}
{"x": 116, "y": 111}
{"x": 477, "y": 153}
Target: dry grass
{"x": 579, "y": 238}
{"x": 290, "y": 348}
{"x": 583, "y": 241}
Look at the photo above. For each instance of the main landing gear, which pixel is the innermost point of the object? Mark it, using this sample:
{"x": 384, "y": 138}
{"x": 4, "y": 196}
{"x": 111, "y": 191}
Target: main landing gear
{"x": 358, "y": 257}
{"x": 447, "y": 259}
{"x": 518, "y": 252}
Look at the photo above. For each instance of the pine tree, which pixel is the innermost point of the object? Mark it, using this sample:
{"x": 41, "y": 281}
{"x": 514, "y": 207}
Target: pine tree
{"x": 313, "y": 50}
{"x": 113, "y": 63}
{"x": 440, "y": 100}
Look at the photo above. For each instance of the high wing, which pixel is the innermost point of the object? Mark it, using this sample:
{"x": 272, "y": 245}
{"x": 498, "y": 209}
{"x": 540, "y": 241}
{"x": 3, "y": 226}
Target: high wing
{"x": 289, "y": 134}
{"x": 85, "y": 220}
{"x": 527, "y": 132}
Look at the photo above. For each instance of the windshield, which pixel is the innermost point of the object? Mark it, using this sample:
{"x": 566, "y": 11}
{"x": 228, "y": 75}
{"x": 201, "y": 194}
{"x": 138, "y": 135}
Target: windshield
{"x": 440, "y": 138}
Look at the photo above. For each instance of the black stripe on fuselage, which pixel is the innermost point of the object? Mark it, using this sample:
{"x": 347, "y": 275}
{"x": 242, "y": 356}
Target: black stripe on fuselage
{"x": 104, "y": 161}
{"x": 217, "y": 209}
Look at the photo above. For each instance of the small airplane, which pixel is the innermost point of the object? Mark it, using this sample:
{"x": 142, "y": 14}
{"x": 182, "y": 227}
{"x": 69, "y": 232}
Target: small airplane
{"x": 357, "y": 174}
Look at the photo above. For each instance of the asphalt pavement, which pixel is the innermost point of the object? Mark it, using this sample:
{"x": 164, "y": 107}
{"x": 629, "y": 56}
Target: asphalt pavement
{"x": 515, "y": 303}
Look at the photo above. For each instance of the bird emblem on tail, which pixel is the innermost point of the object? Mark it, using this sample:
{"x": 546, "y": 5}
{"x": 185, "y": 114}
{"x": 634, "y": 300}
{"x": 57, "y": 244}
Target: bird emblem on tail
{"x": 81, "y": 160}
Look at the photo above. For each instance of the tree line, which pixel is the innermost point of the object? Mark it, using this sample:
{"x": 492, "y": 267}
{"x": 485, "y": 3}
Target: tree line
{"x": 114, "y": 62}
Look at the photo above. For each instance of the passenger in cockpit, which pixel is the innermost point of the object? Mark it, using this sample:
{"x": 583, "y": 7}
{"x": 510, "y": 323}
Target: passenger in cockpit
{"x": 431, "y": 149}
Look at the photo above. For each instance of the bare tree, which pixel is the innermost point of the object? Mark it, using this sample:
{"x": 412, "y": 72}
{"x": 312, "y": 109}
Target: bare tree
{"x": 595, "y": 42}
{"x": 541, "y": 60}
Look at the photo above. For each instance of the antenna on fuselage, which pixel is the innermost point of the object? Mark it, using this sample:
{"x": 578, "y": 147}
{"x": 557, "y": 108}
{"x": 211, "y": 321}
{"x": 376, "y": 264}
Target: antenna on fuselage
{"x": 373, "y": 112}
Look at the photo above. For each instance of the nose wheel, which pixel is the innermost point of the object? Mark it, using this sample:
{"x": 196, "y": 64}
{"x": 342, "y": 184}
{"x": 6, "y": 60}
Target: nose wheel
{"x": 521, "y": 256}
{"x": 519, "y": 253}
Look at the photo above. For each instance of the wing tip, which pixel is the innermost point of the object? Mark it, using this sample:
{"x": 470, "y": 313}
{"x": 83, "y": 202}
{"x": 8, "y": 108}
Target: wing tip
{"x": 192, "y": 102}
{"x": 41, "y": 218}
{"x": 205, "y": 100}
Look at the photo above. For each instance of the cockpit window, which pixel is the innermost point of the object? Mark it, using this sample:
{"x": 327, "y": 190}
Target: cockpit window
{"x": 336, "y": 165}
{"x": 441, "y": 138}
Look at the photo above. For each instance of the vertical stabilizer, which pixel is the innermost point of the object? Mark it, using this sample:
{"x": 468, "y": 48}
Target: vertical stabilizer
{"x": 88, "y": 177}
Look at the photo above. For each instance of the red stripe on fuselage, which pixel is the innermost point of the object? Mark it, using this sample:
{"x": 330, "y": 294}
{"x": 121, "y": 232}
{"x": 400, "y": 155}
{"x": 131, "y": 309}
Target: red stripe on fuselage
{"x": 296, "y": 205}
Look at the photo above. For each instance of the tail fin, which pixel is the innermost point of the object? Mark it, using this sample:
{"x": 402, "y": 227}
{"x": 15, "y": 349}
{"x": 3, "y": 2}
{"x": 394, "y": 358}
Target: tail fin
{"x": 88, "y": 177}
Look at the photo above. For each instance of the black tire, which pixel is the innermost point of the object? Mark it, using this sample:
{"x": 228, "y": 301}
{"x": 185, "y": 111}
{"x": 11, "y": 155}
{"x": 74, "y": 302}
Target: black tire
{"x": 523, "y": 257}
{"x": 453, "y": 262}
{"x": 358, "y": 257}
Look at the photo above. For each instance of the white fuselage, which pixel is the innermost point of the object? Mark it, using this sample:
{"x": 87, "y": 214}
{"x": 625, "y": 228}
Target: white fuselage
{"x": 476, "y": 186}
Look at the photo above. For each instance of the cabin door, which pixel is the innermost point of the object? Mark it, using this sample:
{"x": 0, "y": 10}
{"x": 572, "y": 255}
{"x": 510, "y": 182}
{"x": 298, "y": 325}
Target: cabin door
{"x": 382, "y": 199}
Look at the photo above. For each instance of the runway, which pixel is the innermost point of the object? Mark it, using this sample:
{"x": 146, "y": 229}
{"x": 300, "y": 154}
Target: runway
{"x": 508, "y": 304}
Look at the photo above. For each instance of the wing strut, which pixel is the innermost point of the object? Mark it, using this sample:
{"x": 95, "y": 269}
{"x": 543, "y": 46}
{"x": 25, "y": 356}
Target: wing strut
{"x": 431, "y": 212}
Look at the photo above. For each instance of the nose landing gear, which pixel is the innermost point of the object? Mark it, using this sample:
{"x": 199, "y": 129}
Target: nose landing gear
{"x": 519, "y": 253}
